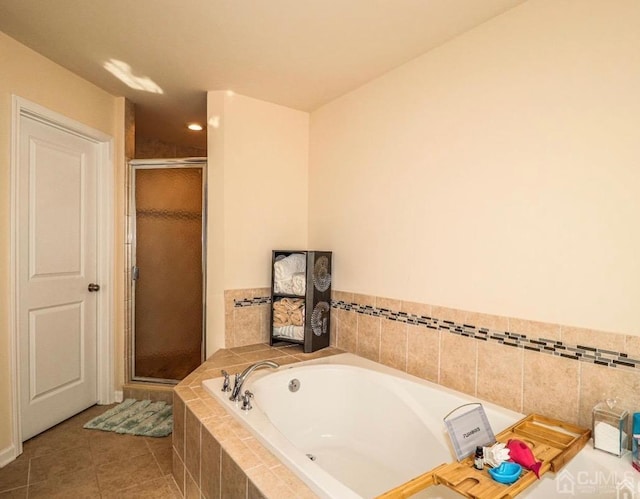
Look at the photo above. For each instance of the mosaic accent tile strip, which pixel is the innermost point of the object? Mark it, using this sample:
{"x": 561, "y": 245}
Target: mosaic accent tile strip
{"x": 582, "y": 353}
{"x": 250, "y": 302}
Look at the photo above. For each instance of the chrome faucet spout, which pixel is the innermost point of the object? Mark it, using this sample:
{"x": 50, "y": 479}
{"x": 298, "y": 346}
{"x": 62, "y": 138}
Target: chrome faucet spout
{"x": 240, "y": 379}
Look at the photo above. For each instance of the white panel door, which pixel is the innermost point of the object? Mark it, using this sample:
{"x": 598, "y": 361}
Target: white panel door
{"x": 56, "y": 263}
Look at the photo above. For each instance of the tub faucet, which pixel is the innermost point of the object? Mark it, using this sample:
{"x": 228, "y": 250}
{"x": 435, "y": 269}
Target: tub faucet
{"x": 241, "y": 378}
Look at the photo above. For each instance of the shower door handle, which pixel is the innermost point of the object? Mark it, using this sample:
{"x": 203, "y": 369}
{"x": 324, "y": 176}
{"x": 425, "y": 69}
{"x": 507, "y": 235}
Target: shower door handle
{"x": 135, "y": 273}
{"x": 93, "y": 287}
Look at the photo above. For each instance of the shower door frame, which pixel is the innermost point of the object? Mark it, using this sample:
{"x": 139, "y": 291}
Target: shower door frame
{"x": 156, "y": 164}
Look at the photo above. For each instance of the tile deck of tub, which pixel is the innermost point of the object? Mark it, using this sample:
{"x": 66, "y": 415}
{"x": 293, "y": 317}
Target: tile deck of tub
{"x": 208, "y": 443}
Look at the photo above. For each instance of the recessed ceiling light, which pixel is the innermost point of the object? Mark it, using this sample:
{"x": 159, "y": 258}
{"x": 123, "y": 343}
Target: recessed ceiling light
{"x": 194, "y": 126}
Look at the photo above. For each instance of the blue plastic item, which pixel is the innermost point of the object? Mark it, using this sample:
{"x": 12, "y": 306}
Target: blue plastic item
{"x": 635, "y": 448}
{"x": 506, "y": 473}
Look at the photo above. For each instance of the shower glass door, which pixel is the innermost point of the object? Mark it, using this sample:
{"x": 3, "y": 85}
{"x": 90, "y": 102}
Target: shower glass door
{"x": 167, "y": 272}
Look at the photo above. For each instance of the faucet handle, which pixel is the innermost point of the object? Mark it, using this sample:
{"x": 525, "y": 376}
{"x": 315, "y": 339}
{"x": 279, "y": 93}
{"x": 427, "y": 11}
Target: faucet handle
{"x": 246, "y": 401}
{"x": 225, "y": 382}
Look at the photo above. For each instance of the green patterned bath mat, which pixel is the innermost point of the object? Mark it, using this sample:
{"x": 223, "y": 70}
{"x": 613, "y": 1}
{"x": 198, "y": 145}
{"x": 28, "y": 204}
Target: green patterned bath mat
{"x": 151, "y": 419}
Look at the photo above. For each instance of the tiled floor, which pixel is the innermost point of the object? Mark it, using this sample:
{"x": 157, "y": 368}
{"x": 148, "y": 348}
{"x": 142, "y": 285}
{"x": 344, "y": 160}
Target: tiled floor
{"x": 71, "y": 462}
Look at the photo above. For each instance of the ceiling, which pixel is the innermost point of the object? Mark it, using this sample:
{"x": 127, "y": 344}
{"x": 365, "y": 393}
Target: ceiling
{"x": 297, "y": 53}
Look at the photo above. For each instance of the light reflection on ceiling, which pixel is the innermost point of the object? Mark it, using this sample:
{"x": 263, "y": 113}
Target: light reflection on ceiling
{"x": 122, "y": 71}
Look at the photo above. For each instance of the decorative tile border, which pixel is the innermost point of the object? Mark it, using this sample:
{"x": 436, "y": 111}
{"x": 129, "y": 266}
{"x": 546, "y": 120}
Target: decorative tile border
{"x": 250, "y": 302}
{"x": 582, "y": 353}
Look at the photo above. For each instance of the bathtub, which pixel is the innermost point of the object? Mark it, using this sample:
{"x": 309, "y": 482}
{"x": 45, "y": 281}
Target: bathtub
{"x": 355, "y": 429}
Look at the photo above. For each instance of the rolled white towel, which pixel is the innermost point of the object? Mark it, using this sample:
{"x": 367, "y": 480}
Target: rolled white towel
{"x": 284, "y": 270}
{"x": 282, "y": 287}
{"x": 298, "y": 284}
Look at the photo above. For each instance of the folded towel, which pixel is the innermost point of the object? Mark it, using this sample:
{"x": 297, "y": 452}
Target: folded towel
{"x": 292, "y": 332}
{"x": 288, "y": 312}
{"x": 298, "y": 284}
{"x": 281, "y": 318}
{"x": 297, "y": 317}
{"x": 289, "y": 275}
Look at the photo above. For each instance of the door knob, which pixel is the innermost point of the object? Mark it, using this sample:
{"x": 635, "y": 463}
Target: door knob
{"x": 93, "y": 287}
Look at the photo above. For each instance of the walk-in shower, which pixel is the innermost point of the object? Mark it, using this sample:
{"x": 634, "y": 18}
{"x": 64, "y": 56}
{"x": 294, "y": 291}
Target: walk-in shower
{"x": 166, "y": 229}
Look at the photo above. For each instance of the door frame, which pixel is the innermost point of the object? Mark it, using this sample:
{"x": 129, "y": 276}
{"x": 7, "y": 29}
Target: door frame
{"x": 105, "y": 368}
{"x": 142, "y": 164}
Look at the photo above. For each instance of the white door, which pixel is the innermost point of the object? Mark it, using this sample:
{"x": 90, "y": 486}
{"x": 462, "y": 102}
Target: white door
{"x": 57, "y": 172}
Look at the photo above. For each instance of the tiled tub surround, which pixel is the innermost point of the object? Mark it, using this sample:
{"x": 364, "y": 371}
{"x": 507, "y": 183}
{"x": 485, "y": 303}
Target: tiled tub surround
{"x": 362, "y": 457}
{"x": 527, "y": 366}
{"x": 213, "y": 455}
{"x": 555, "y": 370}
{"x": 246, "y": 316}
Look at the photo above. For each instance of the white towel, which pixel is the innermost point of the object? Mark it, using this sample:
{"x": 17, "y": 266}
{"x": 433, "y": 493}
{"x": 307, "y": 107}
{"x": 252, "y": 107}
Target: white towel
{"x": 298, "y": 284}
{"x": 289, "y": 275}
{"x": 293, "y": 332}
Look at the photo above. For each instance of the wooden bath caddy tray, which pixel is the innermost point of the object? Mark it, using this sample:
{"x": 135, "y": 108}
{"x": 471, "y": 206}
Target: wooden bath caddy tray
{"x": 553, "y": 442}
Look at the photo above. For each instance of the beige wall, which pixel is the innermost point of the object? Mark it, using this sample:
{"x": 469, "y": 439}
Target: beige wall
{"x": 258, "y": 160}
{"x": 497, "y": 173}
{"x": 31, "y": 76}
{"x": 122, "y": 125}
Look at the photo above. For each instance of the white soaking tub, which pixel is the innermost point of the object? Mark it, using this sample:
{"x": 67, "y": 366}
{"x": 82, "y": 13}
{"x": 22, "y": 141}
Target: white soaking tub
{"x": 355, "y": 429}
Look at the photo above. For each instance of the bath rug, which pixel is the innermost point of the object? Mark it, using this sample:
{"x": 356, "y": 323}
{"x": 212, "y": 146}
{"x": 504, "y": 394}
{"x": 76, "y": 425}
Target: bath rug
{"x": 146, "y": 418}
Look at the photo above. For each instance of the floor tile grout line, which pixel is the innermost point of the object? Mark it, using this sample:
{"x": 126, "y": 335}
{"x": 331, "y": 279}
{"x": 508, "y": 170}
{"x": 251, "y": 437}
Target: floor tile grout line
{"x": 28, "y": 478}
{"x": 154, "y": 456}
{"x": 69, "y": 435}
{"x": 119, "y": 491}
{"x": 4, "y": 491}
